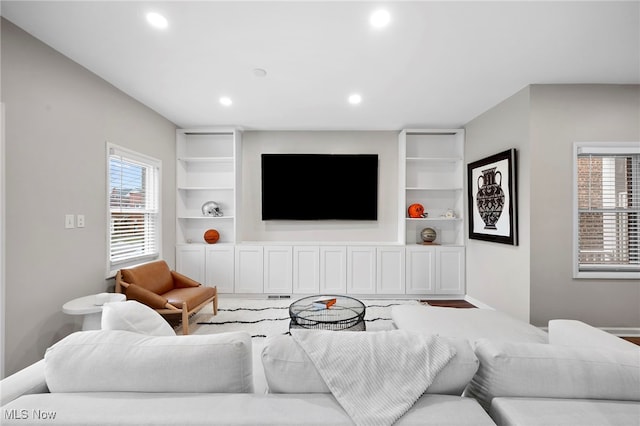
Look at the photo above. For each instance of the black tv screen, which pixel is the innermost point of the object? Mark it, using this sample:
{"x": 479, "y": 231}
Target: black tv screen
{"x": 319, "y": 187}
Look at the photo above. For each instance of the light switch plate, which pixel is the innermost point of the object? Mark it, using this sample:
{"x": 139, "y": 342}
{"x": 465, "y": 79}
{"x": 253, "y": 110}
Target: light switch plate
{"x": 69, "y": 221}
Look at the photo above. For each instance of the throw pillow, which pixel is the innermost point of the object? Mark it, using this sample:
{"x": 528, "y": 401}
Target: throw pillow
{"x": 122, "y": 361}
{"x": 135, "y": 317}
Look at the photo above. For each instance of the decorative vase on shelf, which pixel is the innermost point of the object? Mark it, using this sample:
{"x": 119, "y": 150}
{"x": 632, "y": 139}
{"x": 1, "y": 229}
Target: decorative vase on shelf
{"x": 490, "y": 197}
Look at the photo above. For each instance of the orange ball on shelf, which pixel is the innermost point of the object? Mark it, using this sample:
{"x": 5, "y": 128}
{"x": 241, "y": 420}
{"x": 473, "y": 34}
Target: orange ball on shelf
{"x": 211, "y": 236}
{"x": 416, "y": 210}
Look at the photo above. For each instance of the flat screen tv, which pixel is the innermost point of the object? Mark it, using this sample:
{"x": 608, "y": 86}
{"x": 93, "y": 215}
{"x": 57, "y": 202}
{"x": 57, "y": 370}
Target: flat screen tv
{"x": 319, "y": 187}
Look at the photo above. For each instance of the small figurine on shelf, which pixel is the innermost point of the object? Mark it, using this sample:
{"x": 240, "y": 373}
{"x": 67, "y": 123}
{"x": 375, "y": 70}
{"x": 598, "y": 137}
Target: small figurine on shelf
{"x": 449, "y": 214}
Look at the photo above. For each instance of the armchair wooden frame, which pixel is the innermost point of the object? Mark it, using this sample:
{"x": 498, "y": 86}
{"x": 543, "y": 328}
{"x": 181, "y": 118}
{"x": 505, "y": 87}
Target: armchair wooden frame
{"x": 169, "y": 308}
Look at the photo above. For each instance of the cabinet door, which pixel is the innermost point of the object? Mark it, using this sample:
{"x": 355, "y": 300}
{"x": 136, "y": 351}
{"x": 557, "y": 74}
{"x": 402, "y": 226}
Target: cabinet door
{"x": 420, "y": 272}
{"x": 249, "y": 269}
{"x": 390, "y": 270}
{"x": 450, "y": 272}
{"x": 278, "y": 269}
{"x": 333, "y": 269}
{"x": 361, "y": 270}
{"x": 219, "y": 261}
{"x": 306, "y": 269}
{"x": 190, "y": 261}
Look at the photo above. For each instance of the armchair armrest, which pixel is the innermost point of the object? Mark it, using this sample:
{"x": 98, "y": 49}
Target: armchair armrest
{"x": 142, "y": 295}
{"x": 27, "y": 381}
{"x": 182, "y": 281}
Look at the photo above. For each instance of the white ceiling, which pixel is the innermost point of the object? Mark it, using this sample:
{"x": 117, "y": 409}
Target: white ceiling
{"x": 438, "y": 64}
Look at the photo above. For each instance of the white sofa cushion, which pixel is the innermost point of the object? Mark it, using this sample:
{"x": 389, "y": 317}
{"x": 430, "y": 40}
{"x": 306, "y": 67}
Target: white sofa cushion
{"x": 227, "y": 409}
{"x": 564, "y": 412}
{"x": 136, "y": 317}
{"x": 472, "y": 324}
{"x": 515, "y": 369}
{"x": 577, "y": 333}
{"x": 114, "y": 360}
{"x": 288, "y": 369}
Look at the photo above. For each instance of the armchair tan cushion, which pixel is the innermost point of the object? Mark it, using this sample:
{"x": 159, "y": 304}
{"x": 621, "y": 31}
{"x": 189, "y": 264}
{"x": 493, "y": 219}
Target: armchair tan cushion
{"x": 166, "y": 291}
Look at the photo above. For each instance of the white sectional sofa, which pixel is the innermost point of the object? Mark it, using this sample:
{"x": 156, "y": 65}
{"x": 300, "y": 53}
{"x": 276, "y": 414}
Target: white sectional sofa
{"x": 575, "y": 375}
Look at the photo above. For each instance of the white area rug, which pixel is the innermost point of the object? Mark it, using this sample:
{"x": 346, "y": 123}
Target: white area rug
{"x": 265, "y": 317}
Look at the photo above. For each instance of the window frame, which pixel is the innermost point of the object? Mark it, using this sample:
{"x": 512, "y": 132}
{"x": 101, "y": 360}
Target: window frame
{"x": 111, "y": 149}
{"x": 604, "y": 148}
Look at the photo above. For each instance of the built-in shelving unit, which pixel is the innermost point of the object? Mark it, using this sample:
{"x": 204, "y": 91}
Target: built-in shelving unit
{"x": 431, "y": 164}
{"x": 207, "y": 170}
{"x": 431, "y": 173}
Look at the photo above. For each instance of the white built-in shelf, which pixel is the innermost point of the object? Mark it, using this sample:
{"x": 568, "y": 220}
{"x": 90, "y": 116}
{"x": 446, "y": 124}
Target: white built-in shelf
{"x": 205, "y": 188}
{"x": 430, "y": 188}
{"x": 434, "y": 159}
{"x": 206, "y": 159}
{"x": 207, "y": 217}
{"x": 433, "y": 219}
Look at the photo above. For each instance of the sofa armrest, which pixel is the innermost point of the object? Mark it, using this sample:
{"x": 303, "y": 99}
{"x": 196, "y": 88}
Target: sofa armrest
{"x": 577, "y": 333}
{"x": 149, "y": 298}
{"x": 182, "y": 281}
{"x": 27, "y": 381}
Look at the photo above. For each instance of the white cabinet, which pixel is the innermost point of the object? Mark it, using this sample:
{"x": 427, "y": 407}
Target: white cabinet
{"x": 420, "y": 269}
{"x": 333, "y": 269}
{"x": 219, "y": 271}
{"x": 306, "y": 269}
{"x": 432, "y": 172}
{"x": 207, "y": 169}
{"x": 249, "y": 269}
{"x": 190, "y": 261}
{"x": 278, "y": 268}
{"x": 450, "y": 276}
{"x": 390, "y": 270}
{"x": 361, "y": 270}
{"x": 211, "y": 265}
{"x": 435, "y": 270}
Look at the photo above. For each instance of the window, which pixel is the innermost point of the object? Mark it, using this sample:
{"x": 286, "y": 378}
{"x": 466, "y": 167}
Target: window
{"x": 133, "y": 198}
{"x": 606, "y": 210}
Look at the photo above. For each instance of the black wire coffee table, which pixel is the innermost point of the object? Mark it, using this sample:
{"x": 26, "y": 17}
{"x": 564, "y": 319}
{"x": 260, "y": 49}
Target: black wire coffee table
{"x": 346, "y": 314}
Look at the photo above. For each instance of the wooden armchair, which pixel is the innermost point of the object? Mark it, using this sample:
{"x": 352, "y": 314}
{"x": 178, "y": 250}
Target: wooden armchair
{"x": 166, "y": 291}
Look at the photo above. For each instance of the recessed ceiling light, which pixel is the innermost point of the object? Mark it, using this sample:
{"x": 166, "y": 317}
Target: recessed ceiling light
{"x": 226, "y": 101}
{"x": 355, "y": 99}
{"x": 380, "y": 18}
{"x": 156, "y": 20}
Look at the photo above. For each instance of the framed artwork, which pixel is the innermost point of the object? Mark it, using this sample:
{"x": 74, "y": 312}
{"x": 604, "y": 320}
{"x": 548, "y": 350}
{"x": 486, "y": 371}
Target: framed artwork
{"x": 493, "y": 206}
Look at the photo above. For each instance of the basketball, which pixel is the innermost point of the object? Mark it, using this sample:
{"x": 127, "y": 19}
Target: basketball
{"x": 211, "y": 236}
{"x": 416, "y": 210}
{"x": 428, "y": 235}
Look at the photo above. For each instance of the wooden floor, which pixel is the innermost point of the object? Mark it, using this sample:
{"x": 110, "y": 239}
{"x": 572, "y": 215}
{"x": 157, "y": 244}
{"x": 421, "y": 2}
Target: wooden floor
{"x": 449, "y": 303}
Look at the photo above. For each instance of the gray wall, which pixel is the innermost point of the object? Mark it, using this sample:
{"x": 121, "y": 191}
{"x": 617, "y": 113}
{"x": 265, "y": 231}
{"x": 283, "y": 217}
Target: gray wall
{"x": 534, "y": 281}
{"x": 58, "y": 118}
{"x": 498, "y": 274}
{"x": 561, "y": 115}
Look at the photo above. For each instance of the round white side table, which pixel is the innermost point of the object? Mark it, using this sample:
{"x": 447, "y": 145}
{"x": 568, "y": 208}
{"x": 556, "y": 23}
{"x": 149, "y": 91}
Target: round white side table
{"x": 91, "y": 309}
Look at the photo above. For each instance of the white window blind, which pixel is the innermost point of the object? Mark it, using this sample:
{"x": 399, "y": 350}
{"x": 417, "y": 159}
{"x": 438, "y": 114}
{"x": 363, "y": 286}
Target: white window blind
{"x": 608, "y": 210}
{"x": 133, "y": 200}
